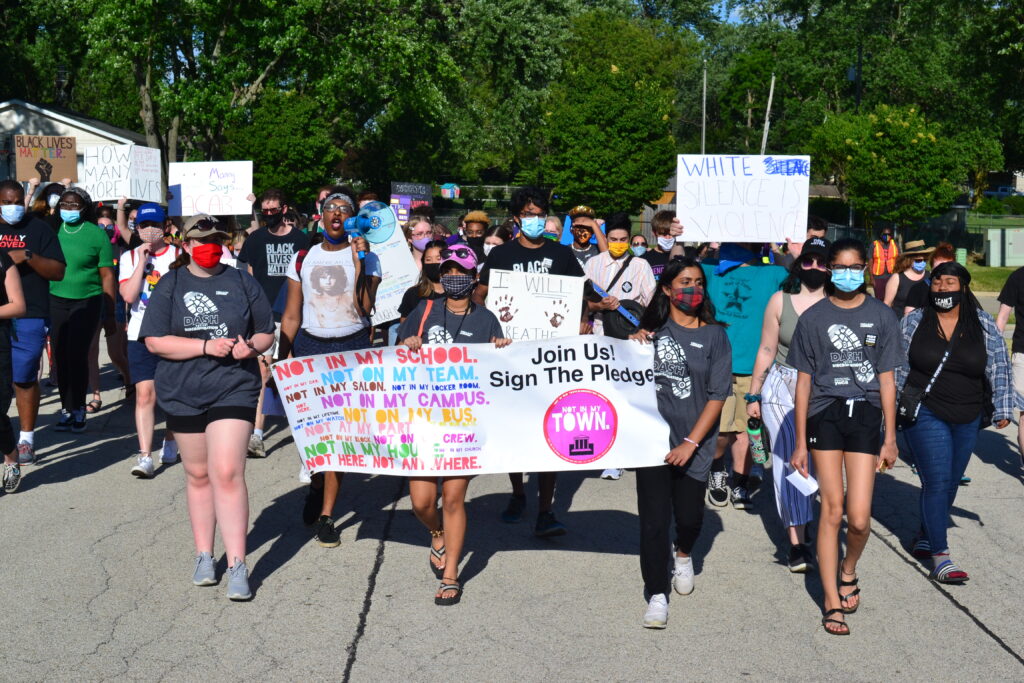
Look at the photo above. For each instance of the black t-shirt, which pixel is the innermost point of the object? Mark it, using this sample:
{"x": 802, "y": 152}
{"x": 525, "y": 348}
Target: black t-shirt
{"x": 269, "y": 256}
{"x": 918, "y": 295}
{"x": 412, "y": 298}
{"x": 549, "y": 258}
{"x": 657, "y": 260}
{"x": 1013, "y": 295}
{"x": 958, "y": 393}
{"x": 35, "y": 235}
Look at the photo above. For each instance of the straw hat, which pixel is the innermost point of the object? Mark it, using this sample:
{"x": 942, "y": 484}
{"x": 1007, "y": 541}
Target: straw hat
{"x": 916, "y": 247}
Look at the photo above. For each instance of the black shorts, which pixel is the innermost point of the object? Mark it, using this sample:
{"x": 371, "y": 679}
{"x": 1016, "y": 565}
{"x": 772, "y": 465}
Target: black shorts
{"x": 848, "y": 426}
{"x": 196, "y": 424}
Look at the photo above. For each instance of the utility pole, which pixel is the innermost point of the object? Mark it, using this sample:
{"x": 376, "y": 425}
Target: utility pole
{"x": 704, "y": 108}
{"x": 767, "y": 115}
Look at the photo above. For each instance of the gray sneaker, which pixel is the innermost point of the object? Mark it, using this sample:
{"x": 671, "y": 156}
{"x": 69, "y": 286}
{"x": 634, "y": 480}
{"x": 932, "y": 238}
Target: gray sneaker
{"x": 12, "y": 477}
{"x": 238, "y": 581}
{"x": 256, "y": 448}
{"x": 204, "y": 574}
{"x": 26, "y": 453}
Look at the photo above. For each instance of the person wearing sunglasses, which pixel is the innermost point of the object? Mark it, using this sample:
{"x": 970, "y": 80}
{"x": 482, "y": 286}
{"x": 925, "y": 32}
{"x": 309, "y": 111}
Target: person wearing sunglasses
{"x": 453, "y": 320}
{"x": 845, "y": 349}
{"x": 773, "y": 388}
{"x": 911, "y": 268}
{"x": 330, "y": 294}
{"x": 587, "y": 239}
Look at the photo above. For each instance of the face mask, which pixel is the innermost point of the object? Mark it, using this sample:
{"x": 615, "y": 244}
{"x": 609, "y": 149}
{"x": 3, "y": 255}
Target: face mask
{"x": 533, "y": 227}
{"x": 432, "y": 271}
{"x": 617, "y": 249}
{"x": 639, "y": 250}
{"x": 53, "y": 200}
{"x": 847, "y": 280}
{"x": 151, "y": 235}
{"x": 666, "y": 243}
{"x": 886, "y": 237}
{"x": 207, "y": 255}
{"x": 131, "y": 223}
{"x": 421, "y": 243}
{"x": 457, "y": 286}
{"x": 70, "y": 216}
{"x": 688, "y": 299}
{"x": 487, "y": 248}
{"x": 918, "y": 266}
{"x": 813, "y": 278}
{"x": 12, "y": 213}
{"x": 945, "y": 301}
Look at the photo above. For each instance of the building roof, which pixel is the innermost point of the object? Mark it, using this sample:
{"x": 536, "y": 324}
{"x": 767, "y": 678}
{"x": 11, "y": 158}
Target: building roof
{"x": 73, "y": 118}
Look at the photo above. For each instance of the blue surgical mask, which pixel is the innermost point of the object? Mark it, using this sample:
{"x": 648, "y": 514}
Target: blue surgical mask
{"x": 847, "y": 280}
{"x": 639, "y": 250}
{"x": 666, "y": 243}
{"x": 918, "y": 266}
{"x": 12, "y": 213}
{"x": 70, "y": 216}
{"x": 533, "y": 226}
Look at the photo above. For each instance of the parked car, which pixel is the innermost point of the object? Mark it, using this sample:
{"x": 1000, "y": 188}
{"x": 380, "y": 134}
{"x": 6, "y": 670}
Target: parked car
{"x": 1003, "y": 192}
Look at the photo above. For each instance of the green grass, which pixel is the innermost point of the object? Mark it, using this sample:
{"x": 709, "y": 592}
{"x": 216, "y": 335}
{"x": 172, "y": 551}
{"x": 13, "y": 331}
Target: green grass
{"x": 988, "y": 278}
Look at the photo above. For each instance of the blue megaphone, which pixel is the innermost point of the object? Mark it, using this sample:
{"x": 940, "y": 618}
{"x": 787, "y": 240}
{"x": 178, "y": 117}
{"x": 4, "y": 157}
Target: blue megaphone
{"x": 376, "y": 221}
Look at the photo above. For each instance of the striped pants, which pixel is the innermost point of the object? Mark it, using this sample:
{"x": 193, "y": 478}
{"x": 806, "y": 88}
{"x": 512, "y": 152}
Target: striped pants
{"x": 777, "y": 396}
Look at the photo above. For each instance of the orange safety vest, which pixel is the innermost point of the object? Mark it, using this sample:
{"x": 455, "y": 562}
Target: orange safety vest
{"x": 883, "y": 260}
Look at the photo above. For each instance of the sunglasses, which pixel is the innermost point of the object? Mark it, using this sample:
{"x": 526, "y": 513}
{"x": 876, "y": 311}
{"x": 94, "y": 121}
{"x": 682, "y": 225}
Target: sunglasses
{"x": 808, "y": 262}
{"x": 271, "y": 212}
{"x": 457, "y": 252}
{"x": 338, "y": 208}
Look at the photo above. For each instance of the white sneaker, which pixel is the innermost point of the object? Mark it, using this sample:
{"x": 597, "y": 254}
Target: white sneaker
{"x": 169, "y": 454}
{"x": 143, "y": 467}
{"x": 612, "y": 474}
{"x": 656, "y": 615}
{"x": 682, "y": 576}
{"x": 304, "y": 475}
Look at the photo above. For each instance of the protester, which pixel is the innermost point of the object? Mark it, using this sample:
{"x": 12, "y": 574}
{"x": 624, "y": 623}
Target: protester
{"x": 455, "y": 319}
{"x": 692, "y": 370}
{"x": 209, "y": 323}
{"x": 955, "y": 359}
{"x": 884, "y": 252}
{"x": 35, "y": 249}
{"x": 266, "y": 254}
{"x": 140, "y": 271}
{"x": 773, "y": 388}
{"x": 331, "y": 292}
{"x": 429, "y": 285}
{"x": 1011, "y": 301}
{"x": 739, "y": 285}
{"x": 920, "y": 293}
{"x": 475, "y": 225}
{"x": 76, "y": 302}
{"x": 496, "y": 236}
{"x": 657, "y": 257}
{"x": 273, "y": 205}
{"x": 638, "y": 245}
{"x": 12, "y": 305}
{"x": 816, "y": 227}
{"x": 530, "y": 252}
{"x": 845, "y": 349}
{"x": 585, "y": 241}
{"x": 112, "y": 324}
{"x": 911, "y": 268}
{"x": 419, "y": 232}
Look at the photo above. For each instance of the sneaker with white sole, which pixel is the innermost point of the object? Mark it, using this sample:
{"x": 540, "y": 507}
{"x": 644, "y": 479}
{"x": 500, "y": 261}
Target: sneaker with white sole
{"x": 740, "y": 498}
{"x": 612, "y": 474}
{"x": 204, "y": 573}
{"x": 12, "y": 477}
{"x": 718, "y": 491}
{"x": 65, "y": 422}
{"x": 238, "y": 581}
{"x": 256, "y": 447}
{"x": 143, "y": 468}
{"x": 169, "y": 453}
{"x": 656, "y": 615}
{"x": 26, "y": 453}
{"x": 304, "y": 476}
{"x": 682, "y": 576}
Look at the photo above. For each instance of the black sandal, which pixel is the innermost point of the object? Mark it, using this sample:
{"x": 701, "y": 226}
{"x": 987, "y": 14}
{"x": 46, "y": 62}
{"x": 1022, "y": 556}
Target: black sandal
{"x": 453, "y": 600}
{"x": 855, "y": 592}
{"x": 825, "y": 620}
{"x": 436, "y": 553}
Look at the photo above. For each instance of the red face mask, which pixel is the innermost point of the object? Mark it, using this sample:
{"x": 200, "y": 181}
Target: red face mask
{"x": 207, "y": 255}
{"x": 688, "y": 299}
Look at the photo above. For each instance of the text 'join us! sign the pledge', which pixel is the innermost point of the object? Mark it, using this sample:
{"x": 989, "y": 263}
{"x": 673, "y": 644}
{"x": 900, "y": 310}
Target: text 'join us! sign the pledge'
{"x": 575, "y": 403}
{"x": 742, "y": 198}
{"x": 219, "y": 188}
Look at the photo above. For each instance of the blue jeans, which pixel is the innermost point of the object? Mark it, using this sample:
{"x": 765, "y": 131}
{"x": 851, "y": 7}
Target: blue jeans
{"x": 942, "y": 451}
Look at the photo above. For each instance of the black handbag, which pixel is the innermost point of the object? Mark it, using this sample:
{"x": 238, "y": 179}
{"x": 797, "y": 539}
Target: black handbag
{"x": 615, "y": 323}
{"x": 908, "y": 405}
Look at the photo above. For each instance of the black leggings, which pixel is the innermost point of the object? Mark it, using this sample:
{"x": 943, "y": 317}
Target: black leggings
{"x": 661, "y": 493}
{"x": 72, "y": 324}
{"x": 7, "y": 442}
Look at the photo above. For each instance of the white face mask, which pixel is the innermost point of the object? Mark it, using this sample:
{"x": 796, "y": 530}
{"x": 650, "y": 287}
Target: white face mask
{"x": 666, "y": 243}
{"x": 487, "y": 249}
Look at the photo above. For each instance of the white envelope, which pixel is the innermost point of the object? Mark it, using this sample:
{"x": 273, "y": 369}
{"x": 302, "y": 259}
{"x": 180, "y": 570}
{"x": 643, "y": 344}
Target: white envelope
{"x": 807, "y": 486}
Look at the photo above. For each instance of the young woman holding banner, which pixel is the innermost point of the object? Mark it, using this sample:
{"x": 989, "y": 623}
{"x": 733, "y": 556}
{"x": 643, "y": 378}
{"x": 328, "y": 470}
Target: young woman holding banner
{"x": 453, "y": 319}
{"x": 693, "y": 374}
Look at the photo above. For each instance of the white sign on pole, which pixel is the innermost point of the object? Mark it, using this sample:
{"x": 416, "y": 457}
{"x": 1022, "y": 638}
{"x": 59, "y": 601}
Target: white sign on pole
{"x": 398, "y": 270}
{"x": 532, "y": 306}
{"x": 110, "y": 172}
{"x": 742, "y": 197}
{"x": 219, "y": 188}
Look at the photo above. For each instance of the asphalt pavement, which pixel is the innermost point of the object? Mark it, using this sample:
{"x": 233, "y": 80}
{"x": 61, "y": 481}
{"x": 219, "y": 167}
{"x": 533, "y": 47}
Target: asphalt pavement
{"x": 97, "y": 569}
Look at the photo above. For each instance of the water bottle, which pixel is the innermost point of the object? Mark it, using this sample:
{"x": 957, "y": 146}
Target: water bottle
{"x": 756, "y": 442}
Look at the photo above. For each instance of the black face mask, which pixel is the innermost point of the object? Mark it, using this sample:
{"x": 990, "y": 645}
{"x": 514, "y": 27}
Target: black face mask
{"x": 432, "y": 271}
{"x": 477, "y": 245}
{"x": 814, "y": 278}
{"x": 946, "y": 301}
{"x": 272, "y": 220}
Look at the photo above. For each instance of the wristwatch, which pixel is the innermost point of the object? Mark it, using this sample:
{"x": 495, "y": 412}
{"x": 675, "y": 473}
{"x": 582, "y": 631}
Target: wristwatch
{"x": 28, "y": 255}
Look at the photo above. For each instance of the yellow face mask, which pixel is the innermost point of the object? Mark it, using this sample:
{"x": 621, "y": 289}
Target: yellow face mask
{"x": 617, "y": 249}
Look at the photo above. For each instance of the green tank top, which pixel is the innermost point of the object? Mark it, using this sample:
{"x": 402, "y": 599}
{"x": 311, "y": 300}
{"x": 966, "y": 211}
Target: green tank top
{"x": 787, "y": 325}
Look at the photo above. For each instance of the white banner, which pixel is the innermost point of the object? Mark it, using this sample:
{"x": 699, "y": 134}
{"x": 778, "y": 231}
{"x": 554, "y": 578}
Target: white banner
{"x": 742, "y": 197}
{"x": 532, "y": 306}
{"x": 110, "y": 172}
{"x": 580, "y": 403}
{"x": 218, "y": 188}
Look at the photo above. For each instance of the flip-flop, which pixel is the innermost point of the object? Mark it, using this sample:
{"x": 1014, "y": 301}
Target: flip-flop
{"x": 825, "y": 620}
{"x": 93, "y": 406}
{"x": 438, "y": 554}
{"x": 453, "y": 600}
{"x": 844, "y": 598}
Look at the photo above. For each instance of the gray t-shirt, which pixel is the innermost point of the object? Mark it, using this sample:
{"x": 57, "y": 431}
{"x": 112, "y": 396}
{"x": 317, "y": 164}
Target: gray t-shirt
{"x": 227, "y": 304}
{"x": 691, "y": 367}
{"x": 844, "y": 350}
{"x": 586, "y": 254}
{"x": 478, "y": 326}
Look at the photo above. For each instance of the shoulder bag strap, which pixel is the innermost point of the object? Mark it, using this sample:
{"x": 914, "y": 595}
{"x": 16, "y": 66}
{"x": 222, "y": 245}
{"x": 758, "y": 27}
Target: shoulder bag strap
{"x": 945, "y": 357}
{"x": 618, "y": 274}
{"x": 423, "y": 320}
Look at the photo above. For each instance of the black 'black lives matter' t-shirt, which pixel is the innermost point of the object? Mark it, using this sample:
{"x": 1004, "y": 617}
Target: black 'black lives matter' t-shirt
{"x": 269, "y": 256}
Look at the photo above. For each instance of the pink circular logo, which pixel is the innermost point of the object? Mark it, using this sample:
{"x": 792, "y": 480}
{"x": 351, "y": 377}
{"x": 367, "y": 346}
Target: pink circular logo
{"x": 580, "y": 426}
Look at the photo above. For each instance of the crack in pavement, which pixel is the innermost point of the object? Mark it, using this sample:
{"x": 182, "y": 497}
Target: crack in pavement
{"x": 371, "y": 583}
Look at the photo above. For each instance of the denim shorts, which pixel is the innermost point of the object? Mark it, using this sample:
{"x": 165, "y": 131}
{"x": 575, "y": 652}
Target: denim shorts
{"x": 28, "y": 340}
{"x": 141, "y": 363}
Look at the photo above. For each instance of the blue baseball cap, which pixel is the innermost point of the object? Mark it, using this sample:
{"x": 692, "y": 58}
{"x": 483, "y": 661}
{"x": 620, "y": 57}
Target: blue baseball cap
{"x": 150, "y": 213}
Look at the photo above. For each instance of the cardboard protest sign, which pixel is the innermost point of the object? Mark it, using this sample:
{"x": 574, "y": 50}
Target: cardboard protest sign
{"x": 47, "y": 157}
{"x": 219, "y": 188}
{"x": 445, "y": 409}
{"x": 742, "y": 197}
{"x": 532, "y": 306}
{"x": 110, "y": 172}
{"x": 408, "y": 196}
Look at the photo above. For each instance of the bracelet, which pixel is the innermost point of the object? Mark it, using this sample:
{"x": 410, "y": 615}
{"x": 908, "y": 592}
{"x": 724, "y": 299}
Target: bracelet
{"x": 689, "y": 440}
{"x": 752, "y": 398}
{"x": 204, "y": 347}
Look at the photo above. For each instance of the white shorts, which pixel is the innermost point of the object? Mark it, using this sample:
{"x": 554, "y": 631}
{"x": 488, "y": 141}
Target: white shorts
{"x": 1017, "y": 361}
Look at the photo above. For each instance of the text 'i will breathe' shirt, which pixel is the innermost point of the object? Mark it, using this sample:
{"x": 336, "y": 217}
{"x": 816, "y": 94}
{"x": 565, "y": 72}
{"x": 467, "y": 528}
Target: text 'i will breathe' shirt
{"x": 844, "y": 350}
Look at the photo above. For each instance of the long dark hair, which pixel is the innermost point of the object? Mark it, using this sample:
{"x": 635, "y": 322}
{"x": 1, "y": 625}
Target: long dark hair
{"x": 791, "y": 285}
{"x": 839, "y": 246}
{"x": 425, "y": 287}
{"x": 657, "y": 311}
{"x": 967, "y": 322}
